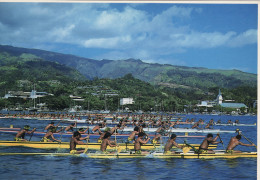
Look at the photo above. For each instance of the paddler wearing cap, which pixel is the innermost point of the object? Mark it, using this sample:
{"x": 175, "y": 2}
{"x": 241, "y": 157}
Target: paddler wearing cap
{"x": 49, "y": 135}
{"x": 20, "y": 135}
{"x": 170, "y": 143}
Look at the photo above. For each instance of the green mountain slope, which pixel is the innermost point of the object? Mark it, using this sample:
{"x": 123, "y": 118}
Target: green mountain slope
{"x": 31, "y": 68}
{"x": 163, "y": 75}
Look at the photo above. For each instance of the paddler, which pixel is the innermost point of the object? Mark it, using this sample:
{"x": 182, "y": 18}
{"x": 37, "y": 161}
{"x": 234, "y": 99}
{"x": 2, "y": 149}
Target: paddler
{"x": 76, "y": 139}
{"x": 49, "y": 126}
{"x": 170, "y": 143}
{"x": 203, "y": 149}
{"x": 82, "y": 131}
{"x": 97, "y": 129}
{"x": 106, "y": 142}
{"x": 160, "y": 132}
{"x": 237, "y": 121}
{"x": 101, "y": 137}
{"x": 114, "y": 129}
{"x": 230, "y": 122}
{"x": 234, "y": 141}
{"x": 210, "y": 124}
{"x": 49, "y": 135}
{"x": 139, "y": 141}
{"x": 131, "y": 137}
{"x": 70, "y": 128}
{"x": 20, "y": 135}
{"x": 196, "y": 125}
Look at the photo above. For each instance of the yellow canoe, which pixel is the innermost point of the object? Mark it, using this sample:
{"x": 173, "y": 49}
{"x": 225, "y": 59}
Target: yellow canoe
{"x": 152, "y": 155}
{"x": 65, "y": 145}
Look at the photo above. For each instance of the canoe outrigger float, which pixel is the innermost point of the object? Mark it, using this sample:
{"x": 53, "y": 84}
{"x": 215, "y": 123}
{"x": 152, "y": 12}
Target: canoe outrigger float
{"x": 65, "y": 145}
{"x": 151, "y": 155}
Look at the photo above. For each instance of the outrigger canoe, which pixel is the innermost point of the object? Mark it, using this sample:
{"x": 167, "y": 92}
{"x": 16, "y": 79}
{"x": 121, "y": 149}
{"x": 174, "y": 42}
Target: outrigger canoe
{"x": 234, "y": 124}
{"x": 151, "y": 155}
{"x": 57, "y": 135}
{"x": 173, "y": 130}
{"x": 66, "y": 145}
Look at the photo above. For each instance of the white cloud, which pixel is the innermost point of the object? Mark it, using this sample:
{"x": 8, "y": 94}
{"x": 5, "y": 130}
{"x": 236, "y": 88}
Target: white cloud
{"x": 109, "y": 43}
{"x": 126, "y": 32}
{"x": 247, "y": 37}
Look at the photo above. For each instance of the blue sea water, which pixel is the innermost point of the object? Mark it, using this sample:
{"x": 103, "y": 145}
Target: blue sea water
{"x": 50, "y": 167}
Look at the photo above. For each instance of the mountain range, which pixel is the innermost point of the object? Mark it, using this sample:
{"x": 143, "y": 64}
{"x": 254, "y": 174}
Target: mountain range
{"x": 164, "y": 75}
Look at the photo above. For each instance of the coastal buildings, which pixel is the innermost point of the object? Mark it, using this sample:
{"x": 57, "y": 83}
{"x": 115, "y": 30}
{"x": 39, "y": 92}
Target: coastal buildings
{"x": 219, "y": 101}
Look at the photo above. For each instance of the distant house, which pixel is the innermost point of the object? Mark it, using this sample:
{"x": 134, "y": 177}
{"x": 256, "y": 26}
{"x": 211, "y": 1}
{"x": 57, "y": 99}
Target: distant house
{"x": 20, "y": 94}
{"x": 124, "y": 101}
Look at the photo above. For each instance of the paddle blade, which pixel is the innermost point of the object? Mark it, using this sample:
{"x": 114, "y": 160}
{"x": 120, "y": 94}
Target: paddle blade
{"x": 86, "y": 149}
{"x": 186, "y": 150}
{"x": 119, "y": 149}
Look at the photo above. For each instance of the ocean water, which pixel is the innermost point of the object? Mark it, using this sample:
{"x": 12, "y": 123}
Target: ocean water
{"x": 52, "y": 167}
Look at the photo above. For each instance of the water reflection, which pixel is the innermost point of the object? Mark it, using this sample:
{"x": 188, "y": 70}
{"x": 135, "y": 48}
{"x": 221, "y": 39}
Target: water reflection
{"x": 232, "y": 163}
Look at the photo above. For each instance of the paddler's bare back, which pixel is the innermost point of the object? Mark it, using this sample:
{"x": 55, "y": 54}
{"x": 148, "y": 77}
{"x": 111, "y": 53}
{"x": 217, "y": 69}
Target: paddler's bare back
{"x": 233, "y": 143}
{"x": 73, "y": 143}
{"x": 205, "y": 144}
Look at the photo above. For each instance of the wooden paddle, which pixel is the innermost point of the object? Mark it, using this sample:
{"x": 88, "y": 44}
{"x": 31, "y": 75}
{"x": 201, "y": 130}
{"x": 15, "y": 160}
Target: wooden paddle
{"x": 31, "y": 135}
{"x": 248, "y": 140}
{"x": 186, "y": 149}
{"x": 192, "y": 147}
{"x": 86, "y": 148}
{"x": 221, "y": 141}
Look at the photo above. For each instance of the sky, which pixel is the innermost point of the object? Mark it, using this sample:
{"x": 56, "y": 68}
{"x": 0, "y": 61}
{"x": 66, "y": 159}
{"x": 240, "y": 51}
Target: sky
{"x": 214, "y": 36}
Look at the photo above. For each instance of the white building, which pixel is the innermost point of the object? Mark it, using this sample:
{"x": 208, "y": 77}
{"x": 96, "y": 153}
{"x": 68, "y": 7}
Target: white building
{"x": 124, "y": 101}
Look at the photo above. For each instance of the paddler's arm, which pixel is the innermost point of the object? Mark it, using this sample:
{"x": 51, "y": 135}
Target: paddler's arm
{"x": 144, "y": 142}
{"x": 242, "y": 144}
{"x": 31, "y": 131}
{"x": 59, "y": 130}
{"x": 100, "y": 132}
{"x": 215, "y": 139}
{"x": 158, "y": 130}
{"x": 177, "y": 145}
{"x": 79, "y": 142}
{"x": 55, "y": 139}
{"x": 111, "y": 145}
{"x": 86, "y": 130}
{"x": 84, "y": 138}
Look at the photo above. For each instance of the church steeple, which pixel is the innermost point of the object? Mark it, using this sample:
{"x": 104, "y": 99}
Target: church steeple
{"x": 219, "y": 97}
